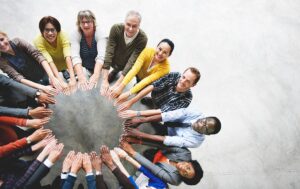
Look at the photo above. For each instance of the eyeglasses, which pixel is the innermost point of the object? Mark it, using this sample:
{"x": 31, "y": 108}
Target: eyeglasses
{"x": 48, "y": 30}
{"x": 86, "y": 22}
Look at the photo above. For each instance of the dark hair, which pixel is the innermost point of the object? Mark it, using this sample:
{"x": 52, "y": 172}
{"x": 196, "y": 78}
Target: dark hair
{"x": 170, "y": 43}
{"x": 217, "y": 125}
{"x": 198, "y": 174}
{"x": 196, "y": 72}
{"x": 49, "y": 19}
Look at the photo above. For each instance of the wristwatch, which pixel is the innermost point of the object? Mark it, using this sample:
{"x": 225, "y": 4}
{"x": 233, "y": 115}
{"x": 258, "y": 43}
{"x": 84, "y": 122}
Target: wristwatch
{"x": 37, "y": 94}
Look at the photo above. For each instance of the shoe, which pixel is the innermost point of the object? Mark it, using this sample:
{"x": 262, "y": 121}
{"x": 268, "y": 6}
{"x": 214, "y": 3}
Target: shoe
{"x": 112, "y": 75}
{"x": 147, "y": 101}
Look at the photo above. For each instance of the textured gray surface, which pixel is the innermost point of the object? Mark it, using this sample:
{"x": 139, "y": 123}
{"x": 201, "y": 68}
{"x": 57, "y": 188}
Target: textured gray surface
{"x": 248, "y": 53}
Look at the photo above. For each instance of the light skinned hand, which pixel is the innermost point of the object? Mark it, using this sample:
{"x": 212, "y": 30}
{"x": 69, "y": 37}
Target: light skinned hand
{"x": 68, "y": 161}
{"x": 86, "y": 163}
{"x": 56, "y": 152}
{"x": 40, "y": 112}
{"x": 39, "y": 134}
{"x": 124, "y": 106}
{"x": 37, "y": 123}
{"x": 77, "y": 163}
{"x": 96, "y": 161}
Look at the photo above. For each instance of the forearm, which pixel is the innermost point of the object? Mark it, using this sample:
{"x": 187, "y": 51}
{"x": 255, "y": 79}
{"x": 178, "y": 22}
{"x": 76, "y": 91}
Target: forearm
{"x": 47, "y": 69}
{"x": 152, "y": 138}
{"x": 150, "y": 112}
{"x": 32, "y": 84}
{"x": 98, "y": 67}
{"x": 141, "y": 94}
{"x": 105, "y": 74}
{"x": 79, "y": 70}
{"x": 54, "y": 69}
{"x": 133, "y": 162}
{"x": 70, "y": 67}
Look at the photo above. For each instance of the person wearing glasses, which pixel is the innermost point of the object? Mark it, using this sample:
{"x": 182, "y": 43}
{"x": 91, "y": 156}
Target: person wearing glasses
{"x": 24, "y": 63}
{"x": 88, "y": 48}
{"x": 55, "y": 45}
{"x": 186, "y": 128}
{"x": 125, "y": 42}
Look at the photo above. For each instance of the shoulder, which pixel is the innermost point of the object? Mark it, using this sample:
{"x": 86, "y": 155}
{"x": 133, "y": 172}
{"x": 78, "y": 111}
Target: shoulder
{"x": 117, "y": 28}
{"x": 38, "y": 39}
{"x": 99, "y": 33}
{"x": 142, "y": 34}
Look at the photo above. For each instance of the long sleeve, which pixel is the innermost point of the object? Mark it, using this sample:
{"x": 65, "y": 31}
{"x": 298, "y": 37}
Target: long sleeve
{"x": 101, "y": 44}
{"x": 75, "y": 48}
{"x": 12, "y": 120}
{"x": 5, "y": 150}
{"x": 18, "y": 112}
{"x": 153, "y": 180}
{"x": 91, "y": 182}
{"x": 37, "y": 176}
{"x": 10, "y": 71}
{"x": 123, "y": 180}
{"x": 69, "y": 183}
{"x": 136, "y": 67}
{"x": 111, "y": 45}
{"x": 170, "y": 176}
{"x": 184, "y": 141}
{"x": 30, "y": 171}
{"x": 29, "y": 49}
{"x": 66, "y": 44}
{"x": 6, "y": 82}
{"x": 100, "y": 183}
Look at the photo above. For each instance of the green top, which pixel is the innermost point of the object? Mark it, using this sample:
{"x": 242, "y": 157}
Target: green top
{"x": 119, "y": 55}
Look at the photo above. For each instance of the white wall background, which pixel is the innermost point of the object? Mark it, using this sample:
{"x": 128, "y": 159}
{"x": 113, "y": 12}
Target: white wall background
{"x": 248, "y": 54}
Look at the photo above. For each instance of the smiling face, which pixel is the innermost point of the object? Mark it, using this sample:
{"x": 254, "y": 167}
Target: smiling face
{"x": 50, "y": 33}
{"x": 185, "y": 169}
{"x": 87, "y": 25}
{"x": 186, "y": 81}
{"x": 132, "y": 25}
{"x": 4, "y": 43}
{"x": 162, "y": 52}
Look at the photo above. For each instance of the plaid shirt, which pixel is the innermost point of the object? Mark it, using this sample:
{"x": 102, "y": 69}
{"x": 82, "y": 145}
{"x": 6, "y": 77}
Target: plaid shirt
{"x": 164, "y": 94}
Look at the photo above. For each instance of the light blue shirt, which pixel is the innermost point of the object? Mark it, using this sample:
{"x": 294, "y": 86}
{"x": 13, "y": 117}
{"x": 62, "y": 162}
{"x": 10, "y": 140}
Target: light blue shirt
{"x": 183, "y": 135}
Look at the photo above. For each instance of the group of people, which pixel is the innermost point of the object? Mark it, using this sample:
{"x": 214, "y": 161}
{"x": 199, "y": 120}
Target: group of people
{"x": 57, "y": 64}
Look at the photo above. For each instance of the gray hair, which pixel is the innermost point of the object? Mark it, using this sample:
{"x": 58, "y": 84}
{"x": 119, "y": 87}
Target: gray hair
{"x": 87, "y": 14}
{"x": 134, "y": 13}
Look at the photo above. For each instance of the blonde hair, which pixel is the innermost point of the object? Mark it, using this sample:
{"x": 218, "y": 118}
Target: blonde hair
{"x": 3, "y": 33}
{"x": 87, "y": 14}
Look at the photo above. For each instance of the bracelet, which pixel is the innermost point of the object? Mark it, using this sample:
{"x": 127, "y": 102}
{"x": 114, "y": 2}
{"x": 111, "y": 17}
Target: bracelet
{"x": 28, "y": 140}
{"x": 138, "y": 113}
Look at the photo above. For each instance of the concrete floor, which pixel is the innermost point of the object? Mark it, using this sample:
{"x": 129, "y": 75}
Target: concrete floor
{"x": 248, "y": 54}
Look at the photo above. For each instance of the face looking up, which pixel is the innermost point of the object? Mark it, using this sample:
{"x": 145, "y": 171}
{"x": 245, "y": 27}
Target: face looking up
{"x": 4, "y": 43}
{"x": 185, "y": 169}
{"x": 186, "y": 81}
{"x": 50, "y": 33}
{"x": 132, "y": 24}
{"x": 162, "y": 52}
{"x": 204, "y": 126}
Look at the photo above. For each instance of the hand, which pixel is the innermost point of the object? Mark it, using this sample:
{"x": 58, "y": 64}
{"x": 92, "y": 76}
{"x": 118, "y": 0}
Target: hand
{"x": 133, "y": 132}
{"x": 134, "y": 122}
{"x": 106, "y": 157}
{"x": 55, "y": 83}
{"x": 82, "y": 83}
{"x": 122, "y": 98}
{"x": 121, "y": 153}
{"x": 40, "y": 112}
{"x": 116, "y": 91}
{"x": 104, "y": 88}
{"x": 124, "y": 106}
{"x": 115, "y": 157}
{"x": 72, "y": 85}
{"x": 127, "y": 114}
{"x": 132, "y": 140}
{"x": 45, "y": 98}
{"x": 39, "y": 134}
{"x": 68, "y": 161}
{"x": 77, "y": 163}
{"x": 86, "y": 163}
{"x": 127, "y": 147}
{"x": 93, "y": 81}
{"x": 96, "y": 161}
{"x": 37, "y": 123}
{"x": 41, "y": 144}
{"x": 50, "y": 90}
{"x": 46, "y": 150}
{"x": 56, "y": 153}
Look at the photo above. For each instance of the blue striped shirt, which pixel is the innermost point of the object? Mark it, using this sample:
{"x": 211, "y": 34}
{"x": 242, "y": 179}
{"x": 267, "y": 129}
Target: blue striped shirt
{"x": 88, "y": 54}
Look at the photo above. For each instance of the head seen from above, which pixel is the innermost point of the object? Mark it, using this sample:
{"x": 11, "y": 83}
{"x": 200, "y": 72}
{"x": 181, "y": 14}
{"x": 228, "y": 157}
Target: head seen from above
{"x": 190, "y": 172}
{"x": 132, "y": 23}
{"x": 49, "y": 28}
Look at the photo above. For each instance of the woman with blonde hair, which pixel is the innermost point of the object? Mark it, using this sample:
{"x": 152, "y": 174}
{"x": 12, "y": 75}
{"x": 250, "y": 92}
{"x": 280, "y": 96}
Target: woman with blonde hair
{"x": 88, "y": 48}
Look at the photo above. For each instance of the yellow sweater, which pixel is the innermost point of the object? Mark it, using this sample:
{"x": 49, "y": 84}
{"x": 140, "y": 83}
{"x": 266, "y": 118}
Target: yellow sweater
{"x": 55, "y": 54}
{"x": 147, "y": 76}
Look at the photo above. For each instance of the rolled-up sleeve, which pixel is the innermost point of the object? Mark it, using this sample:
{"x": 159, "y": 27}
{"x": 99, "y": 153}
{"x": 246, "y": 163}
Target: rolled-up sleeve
{"x": 75, "y": 48}
{"x": 101, "y": 45}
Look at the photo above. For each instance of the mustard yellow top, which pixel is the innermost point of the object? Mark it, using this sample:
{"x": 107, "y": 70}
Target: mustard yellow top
{"x": 144, "y": 73}
{"x": 55, "y": 54}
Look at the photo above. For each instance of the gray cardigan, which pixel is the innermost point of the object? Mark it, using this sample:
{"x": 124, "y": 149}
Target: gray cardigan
{"x": 167, "y": 172}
